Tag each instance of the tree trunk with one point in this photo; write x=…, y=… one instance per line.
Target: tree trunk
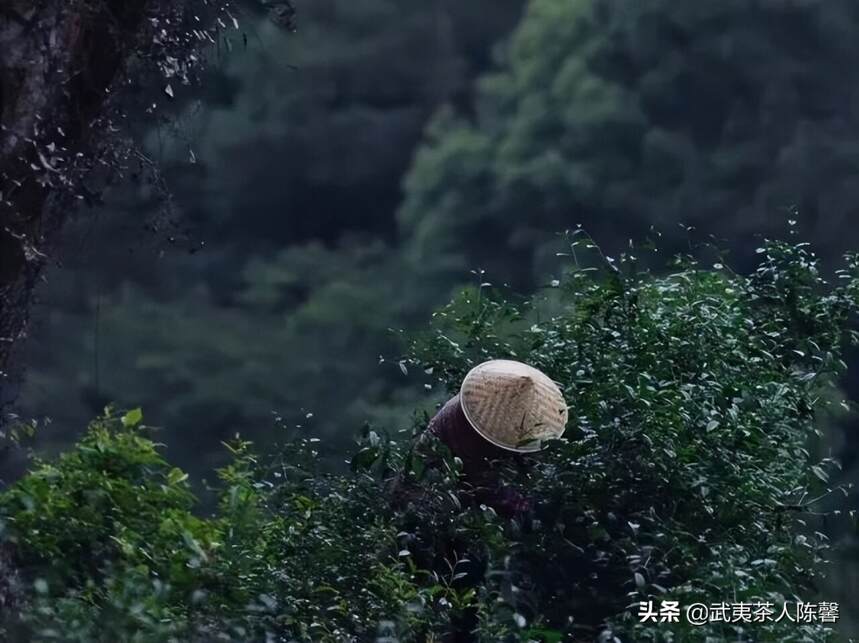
x=58, y=62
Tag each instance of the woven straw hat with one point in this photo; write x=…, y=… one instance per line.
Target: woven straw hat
x=513, y=405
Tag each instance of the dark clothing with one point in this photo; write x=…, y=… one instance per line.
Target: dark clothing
x=480, y=460
x=451, y=427
x=480, y=485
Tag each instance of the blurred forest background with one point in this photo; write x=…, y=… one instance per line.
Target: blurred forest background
x=332, y=186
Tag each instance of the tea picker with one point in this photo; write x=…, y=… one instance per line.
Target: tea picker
x=504, y=411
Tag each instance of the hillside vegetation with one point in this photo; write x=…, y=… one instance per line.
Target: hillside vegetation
x=687, y=472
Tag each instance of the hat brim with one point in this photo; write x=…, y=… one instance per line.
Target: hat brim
x=548, y=401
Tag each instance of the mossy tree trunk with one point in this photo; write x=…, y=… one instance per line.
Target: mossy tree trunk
x=60, y=63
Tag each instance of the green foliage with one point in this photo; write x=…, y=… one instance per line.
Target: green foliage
x=111, y=551
x=622, y=116
x=685, y=472
x=105, y=526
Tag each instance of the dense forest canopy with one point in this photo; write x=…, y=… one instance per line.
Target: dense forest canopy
x=299, y=262
x=727, y=117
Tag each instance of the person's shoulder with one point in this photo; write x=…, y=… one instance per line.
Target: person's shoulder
x=446, y=419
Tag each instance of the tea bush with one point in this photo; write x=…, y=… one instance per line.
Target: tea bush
x=687, y=473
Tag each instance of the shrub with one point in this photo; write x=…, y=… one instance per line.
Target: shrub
x=686, y=473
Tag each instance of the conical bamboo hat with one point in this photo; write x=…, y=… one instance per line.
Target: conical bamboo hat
x=513, y=405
